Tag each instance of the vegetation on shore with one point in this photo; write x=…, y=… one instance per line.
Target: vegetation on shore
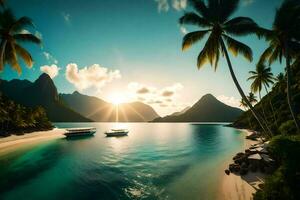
x=277, y=114
x=17, y=119
x=14, y=117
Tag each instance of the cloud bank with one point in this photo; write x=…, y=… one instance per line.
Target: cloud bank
x=93, y=76
x=231, y=101
x=51, y=70
x=165, y=5
x=163, y=97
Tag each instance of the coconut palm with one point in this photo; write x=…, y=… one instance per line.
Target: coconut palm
x=252, y=98
x=262, y=78
x=244, y=105
x=213, y=17
x=12, y=32
x=284, y=42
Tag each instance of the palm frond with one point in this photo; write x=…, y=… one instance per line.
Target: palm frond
x=27, y=37
x=200, y=7
x=191, y=18
x=237, y=47
x=266, y=55
x=22, y=23
x=241, y=26
x=209, y=53
x=191, y=38
x=24, y=54
x=11, y=57
x=227, y=8
x=7, y=18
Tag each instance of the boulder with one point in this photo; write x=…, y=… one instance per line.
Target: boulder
x=227, y=171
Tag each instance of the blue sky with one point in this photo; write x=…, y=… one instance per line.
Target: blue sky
x=136, y=47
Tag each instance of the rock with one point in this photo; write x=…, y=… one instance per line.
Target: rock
x=243, y=171
x=227, y=172
x=244, y=165
x=253, y=167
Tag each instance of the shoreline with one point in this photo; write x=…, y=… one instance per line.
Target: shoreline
x=237, y=187
x=12, y=143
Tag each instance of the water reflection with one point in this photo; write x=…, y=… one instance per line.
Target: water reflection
x=155, y=161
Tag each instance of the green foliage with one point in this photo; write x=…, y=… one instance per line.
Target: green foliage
x=287, y=127
x=19, y=119
x=276, y=98
x=285, y=182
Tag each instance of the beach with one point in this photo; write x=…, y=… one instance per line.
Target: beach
x=13, y=142
x=236, y=187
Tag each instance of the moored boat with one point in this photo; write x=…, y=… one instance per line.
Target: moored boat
x=116, y=132
x=74, y=132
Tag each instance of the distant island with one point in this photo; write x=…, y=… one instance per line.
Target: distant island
x=207, y=109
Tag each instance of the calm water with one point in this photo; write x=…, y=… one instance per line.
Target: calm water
x=156, y=161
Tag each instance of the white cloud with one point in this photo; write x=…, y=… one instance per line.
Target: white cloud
x=183, y=30
x=52, y=70
x=164, y=5
x=93, y=76
x=50, y=58
x=231, y=101
x=163, y=97
x=179, y=4
x=67, y=17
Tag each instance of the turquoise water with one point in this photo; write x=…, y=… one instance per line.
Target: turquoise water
x=155, y=161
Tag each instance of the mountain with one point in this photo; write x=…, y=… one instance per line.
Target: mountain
x=207, y=109
x=180, y=112
x=102, y=111
x=41, y=92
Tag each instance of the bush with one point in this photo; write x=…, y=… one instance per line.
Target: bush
x=285, y=182
x=288, y=128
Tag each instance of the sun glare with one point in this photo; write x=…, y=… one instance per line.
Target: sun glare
x=117, y=98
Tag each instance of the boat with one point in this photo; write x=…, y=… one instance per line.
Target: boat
x=74, y=132
x=116, y=132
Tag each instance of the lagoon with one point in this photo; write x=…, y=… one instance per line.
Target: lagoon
x=155, y=161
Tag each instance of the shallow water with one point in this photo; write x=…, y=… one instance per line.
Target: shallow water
x=155, y=161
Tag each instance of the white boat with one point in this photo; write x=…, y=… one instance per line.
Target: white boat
x=73, y=132
x=116, y=132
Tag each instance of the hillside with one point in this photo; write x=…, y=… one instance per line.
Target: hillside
x=275, y=106
x=43, y=93
x=102, y=111
x=207, y=109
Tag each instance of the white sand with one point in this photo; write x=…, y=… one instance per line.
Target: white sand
x=9, y=144
x=235, y=187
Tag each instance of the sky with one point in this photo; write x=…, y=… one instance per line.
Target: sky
x=128, y=50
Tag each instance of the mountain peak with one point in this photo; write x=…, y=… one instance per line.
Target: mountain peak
x=46, y=87
x=43, y=77
x=209, y=97
x=76, y=92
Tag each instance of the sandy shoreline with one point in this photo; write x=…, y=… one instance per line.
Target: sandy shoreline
x=13, y=142
x=233, y=187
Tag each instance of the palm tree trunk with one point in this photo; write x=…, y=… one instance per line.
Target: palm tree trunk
x=263, y=109
x=272, y=107
x=2, y=50
x=289, y=96
x=255, y=114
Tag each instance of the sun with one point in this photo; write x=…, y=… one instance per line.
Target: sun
x=117, y=98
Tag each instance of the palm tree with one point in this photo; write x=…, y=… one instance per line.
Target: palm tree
x=214, y=18
x=245, y=106
x=252, y=98
x=12, y=32
x=284, y=42
x=262, y=78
